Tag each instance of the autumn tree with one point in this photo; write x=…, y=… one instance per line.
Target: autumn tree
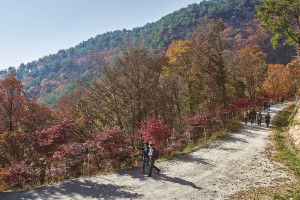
x=154, y=130
x=250, y=68
x=276, y=79
x=293, y=81
x=181, y=66
x=18, y=111
x=126, y=93
x=139, y=81
x=47, y=142
x=37, y=117
x=210, y=65
x=14, y=147
x=71, y=107
x=112, y=146
x=12, y=101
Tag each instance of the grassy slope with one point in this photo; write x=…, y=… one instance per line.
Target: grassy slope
x=288, y=156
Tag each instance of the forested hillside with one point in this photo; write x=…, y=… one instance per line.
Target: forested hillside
x=53, y=75
x=145, y=85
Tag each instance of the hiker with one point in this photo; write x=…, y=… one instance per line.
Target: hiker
x=282, y=99
x=259, y=118
x=245, y=116
x=268, y=105
x=145, y=150
x=153, y=155
x=251, y=118
x=265, y=105
x=268, y=119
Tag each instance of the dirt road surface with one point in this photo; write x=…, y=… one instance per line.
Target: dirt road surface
x=222, y=169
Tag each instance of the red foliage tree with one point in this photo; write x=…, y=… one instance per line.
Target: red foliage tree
x=112, y=146
x=47, y=142
x=73, y=156
x=205, y=122
x=241, y=103
x=154, y=130
x=18, y=174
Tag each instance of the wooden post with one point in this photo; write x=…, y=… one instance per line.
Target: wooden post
x=88, y=161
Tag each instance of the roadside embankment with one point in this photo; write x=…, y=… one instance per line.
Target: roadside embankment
x=294, y=127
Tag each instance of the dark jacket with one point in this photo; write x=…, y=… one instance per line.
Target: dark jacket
x=145, y=151
x=267, y=117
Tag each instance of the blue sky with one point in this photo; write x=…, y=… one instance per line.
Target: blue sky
x=31, y=29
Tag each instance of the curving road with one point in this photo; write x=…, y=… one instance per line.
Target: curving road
x=222, y=169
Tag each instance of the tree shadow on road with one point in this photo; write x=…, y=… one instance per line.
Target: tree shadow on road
x=135, y=173
x=176, y=180
x=230, y=149
x=235, y=139
x=196, y=160
x=73, y=190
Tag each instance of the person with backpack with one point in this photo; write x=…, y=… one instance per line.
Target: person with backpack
x=153, y=155
x=251, y=117
x=282, y=99
x=145, y=150
x=268, y=119
x=259, y=118
x=249, y=113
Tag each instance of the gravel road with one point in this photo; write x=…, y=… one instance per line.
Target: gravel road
x=222, y=169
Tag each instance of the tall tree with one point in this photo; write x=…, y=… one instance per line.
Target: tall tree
x=250, y=63
x=276, y=79
x=210, y=65
x=127, y=92
x=282, y=17
x=293, y=70
x=181, y=65
x=12, y=101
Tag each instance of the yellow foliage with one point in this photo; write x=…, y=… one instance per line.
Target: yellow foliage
x=14, y=146
x=180, y=59
x=3, y=184
x=276, y=80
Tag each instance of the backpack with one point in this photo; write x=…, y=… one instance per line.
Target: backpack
x=157, y=154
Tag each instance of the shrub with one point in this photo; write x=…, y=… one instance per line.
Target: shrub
x=3, y=184
x=154, y=130
x=111, y=146
x=18, y=174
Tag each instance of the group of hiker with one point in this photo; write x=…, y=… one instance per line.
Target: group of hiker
x=251, y=115
x=150, y=154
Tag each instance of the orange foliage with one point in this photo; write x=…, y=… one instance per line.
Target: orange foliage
x=250, y=61
x=293, y=70
x=12, y=99
x=276, y=80
x=3, y=184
